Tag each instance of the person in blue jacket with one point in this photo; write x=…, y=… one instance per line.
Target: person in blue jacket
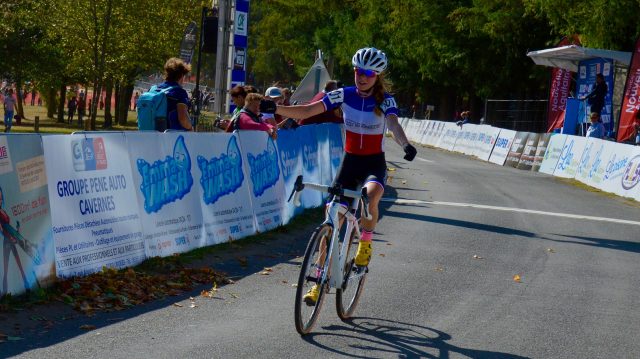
x=596, y=129
x=177, y=98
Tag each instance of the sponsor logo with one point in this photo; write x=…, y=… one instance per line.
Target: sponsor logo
x=264, y=169
x=566, y=156
x=166, y=181
x=221, y=175
x=88, y=154
x=596, y=162
x=585, y=158
x=631, y=173
x=502, y=142
x=614, y=166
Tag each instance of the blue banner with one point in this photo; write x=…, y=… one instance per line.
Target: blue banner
x=587, y=72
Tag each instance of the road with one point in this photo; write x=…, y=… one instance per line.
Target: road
x=454, y=234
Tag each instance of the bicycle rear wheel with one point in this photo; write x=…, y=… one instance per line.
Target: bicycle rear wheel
x=311, y=274
x=348, y=295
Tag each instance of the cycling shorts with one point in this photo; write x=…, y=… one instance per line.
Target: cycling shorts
x=358, y=170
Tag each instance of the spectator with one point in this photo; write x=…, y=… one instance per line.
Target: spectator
x=9, y=106
x=464, y=118
x=82, y=106
x=286, y=93
x=177, y=99
x=71, y=107
x=274, y=94
x=33, y=95
x=238, y=94
x=333, y=116
x=135, y=100
x=250, y=89
x=248, y=118
x=597, y=128
x=595, y=98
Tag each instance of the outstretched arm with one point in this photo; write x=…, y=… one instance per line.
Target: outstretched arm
x=301, y=112
x=396, y=129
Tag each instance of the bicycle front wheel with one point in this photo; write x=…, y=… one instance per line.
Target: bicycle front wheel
x=312, y=274
x=348, y=295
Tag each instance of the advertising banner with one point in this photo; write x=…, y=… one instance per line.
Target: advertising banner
x=620, y=167
x=529, y=152
x=95, y=220
x=306, y=136
x=240, y=43
x=502, y=146
x=559, y=91
x=449, y=138
x=262, y=165
x=587, y=71
x=590, y=162
x=487, y=139
x=515, y=151
x=167, y=191
x=570, y=157
x=630, y=98
x=222, y=187
x=541, y=149
x=290, y=152
x=28, y=256
x=428, y=132
x=551, y=156
x=440, y=132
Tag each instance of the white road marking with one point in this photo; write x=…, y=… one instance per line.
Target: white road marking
x=423, y=160
x=510, y=209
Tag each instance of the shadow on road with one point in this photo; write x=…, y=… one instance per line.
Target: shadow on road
x=386, y=338
x=598, y=242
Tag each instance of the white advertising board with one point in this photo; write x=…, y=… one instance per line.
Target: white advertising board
x=167, y=191
x=223, y=186
x=551, y=156
x=502, y=146
x=620, y=169
x=262, y=165
x=486, y=140
x=95, y=219
x=570, y=157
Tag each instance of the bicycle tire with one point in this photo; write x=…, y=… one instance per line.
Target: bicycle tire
x=348, y=296
x=303, y=324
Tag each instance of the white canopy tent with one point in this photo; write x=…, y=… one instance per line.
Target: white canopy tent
x=568, y=57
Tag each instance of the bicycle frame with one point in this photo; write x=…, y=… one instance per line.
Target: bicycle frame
x=334, y=210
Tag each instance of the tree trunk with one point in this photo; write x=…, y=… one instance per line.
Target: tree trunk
x=447, y=105
x=63, y=96
x=117, y=111
x=50, y=101
x=126, y=93
x=19, y=96
x=108, y=118
x=95, y=101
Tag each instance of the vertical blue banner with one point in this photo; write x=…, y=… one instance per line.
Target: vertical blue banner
x=239, y=51
x=587, y=71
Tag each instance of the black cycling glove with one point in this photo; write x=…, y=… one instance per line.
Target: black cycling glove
x=267, y=106
x=410, y=152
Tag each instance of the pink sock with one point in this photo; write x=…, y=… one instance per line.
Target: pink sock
x=366, y=236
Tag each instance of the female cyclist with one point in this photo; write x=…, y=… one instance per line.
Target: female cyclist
x=368, y=110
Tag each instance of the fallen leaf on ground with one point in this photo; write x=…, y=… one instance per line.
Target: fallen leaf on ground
x=391, y=169
x=233, y=295
x=88, y=327
x=294, y=285
x=284, y=282
x=178, y=305
x=517, y=278
x=551, y=250
x=404, y=182
x=388, y=244
x=389, y=179
x=193, y=305
x=475, y=256
x=210, y=293
x=439, y=269
x=381, y=254
x=264, y=273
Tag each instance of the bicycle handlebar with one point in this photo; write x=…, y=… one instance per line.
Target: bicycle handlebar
x=299, y=185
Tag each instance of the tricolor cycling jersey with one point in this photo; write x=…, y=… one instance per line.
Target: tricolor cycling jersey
x=364, y=128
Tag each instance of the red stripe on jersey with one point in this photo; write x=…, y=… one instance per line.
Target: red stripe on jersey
x=358, y=144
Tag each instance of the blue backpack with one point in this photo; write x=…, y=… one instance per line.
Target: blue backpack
x=152, y=109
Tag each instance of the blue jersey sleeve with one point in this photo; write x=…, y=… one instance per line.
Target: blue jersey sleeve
x=333, y=99
x=389, y=106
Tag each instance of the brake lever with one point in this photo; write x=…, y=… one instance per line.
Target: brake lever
x=297, y=187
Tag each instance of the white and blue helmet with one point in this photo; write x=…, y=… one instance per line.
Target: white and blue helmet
x=370, y=58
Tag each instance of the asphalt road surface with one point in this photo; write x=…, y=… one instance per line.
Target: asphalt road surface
x=471, y=260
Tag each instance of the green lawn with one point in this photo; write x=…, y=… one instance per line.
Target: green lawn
x=49, y=125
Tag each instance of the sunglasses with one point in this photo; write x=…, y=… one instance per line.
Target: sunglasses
x=363, y=72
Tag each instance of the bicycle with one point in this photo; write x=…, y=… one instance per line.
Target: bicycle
x=319, y=266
